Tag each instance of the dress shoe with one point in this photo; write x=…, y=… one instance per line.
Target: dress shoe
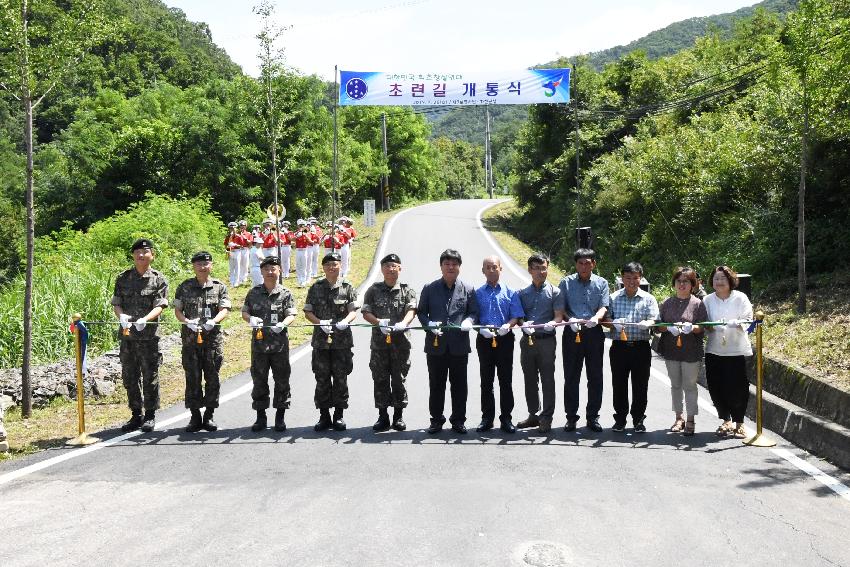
x=194, y=422
x=324, y=421
x=640, y=427
x=483, y=426
x=208, y=422
x=531, y=421
x=260, y=423
x=545, y=426
x=459, y=428
x=279, y=420
x=507, y=426
x=593, y=425
x=398, y=422
x=383, y=422
x=133, y=423
x=149, y=423
x=619, y=426
x=435, y=427
x=339, y=423
x=570, y=425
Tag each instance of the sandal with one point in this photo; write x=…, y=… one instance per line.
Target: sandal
x=724, y=429
x=678, y=426
x=739, y=432
x=690, y=428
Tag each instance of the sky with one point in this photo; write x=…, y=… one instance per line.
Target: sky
x=439, y=35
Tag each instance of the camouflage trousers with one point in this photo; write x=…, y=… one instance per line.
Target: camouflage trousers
x=201, y=365
x=389, y=371
x=278, y=363
x=140, y=362
x=332, y=367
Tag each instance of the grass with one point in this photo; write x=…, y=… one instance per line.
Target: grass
x=52, y=425
x=818, y=341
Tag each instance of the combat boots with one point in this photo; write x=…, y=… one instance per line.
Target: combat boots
x=383, y=422
x=339, y=423
x=134, y=423
x=324, y=420
x=194, y=422
x=208, y=423
x=260, y=424
x=279, y=423
x=398, y=422
x=149, y=422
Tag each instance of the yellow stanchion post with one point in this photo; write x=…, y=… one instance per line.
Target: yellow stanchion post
x=82, y=438
x=759, y=440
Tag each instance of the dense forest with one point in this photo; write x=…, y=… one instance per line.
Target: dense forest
x=696, y=157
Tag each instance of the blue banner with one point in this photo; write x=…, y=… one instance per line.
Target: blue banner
x=527, y=86
x=84, y=342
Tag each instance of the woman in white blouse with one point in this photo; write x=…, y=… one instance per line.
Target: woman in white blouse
x=726, y=351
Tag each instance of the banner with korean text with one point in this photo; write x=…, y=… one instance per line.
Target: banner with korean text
x=527, y=86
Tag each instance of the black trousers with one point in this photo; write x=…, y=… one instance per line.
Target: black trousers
x=728, y=385
x=453, y=367
x=630, y=358
x=589, y=351
x=492, y=361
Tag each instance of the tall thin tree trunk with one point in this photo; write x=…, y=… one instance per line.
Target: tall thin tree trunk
x=26, y=384
x=801, y=205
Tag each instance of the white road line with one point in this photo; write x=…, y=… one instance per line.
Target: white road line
x=506, y=258
x=244, y=389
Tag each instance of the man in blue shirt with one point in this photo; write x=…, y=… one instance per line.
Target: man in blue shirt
x=542, y=305
x=447, y=302
x=499, y=309
x=586, y=298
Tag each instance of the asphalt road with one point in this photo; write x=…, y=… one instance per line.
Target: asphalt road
x=357, y=498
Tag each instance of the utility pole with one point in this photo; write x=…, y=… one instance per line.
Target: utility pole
x=488, y=164
x=336, y=150
x=385, y=186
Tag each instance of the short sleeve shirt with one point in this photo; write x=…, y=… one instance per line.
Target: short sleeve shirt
x=201, y=302
x=332, y=302
x=642, y=306
x=497, y=305
x=393, y=303
x=539, y=305
x=583, y=299
x=272, y=307
x=675, y=310
x=137, y=294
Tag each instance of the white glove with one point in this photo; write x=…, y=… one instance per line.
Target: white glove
x=590, y=323
x=486, y=333
x=140, y=324
x=527, y=328
x=549, y=327
x=125, y=321
x=326, y=326
x=466, y=325
x=399, y=327
x=384, y=326
x=733, y=323
x=645, y=325
x=255, y=322
x=434, y=327
x=278, y=328
x=674, y=330
x=209, y=325
x=192, y=324
x=618, y=325
x=687, y=328
x=341, y=325
x=504, y=330
x=574, y=324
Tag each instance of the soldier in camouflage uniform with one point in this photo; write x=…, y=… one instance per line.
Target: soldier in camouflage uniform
x=201, y=303
x=391, y=306
x=269, y=308
x=139, y=297
x=331, y=305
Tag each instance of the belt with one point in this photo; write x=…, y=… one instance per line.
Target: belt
x=537, y=337
x=631, y=343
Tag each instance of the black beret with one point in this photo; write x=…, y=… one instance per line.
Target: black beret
x=141, y=243
x=391, y=258
x=202, y=256
x=331, y=257
x=274, y=260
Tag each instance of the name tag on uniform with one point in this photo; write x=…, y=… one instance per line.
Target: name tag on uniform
x=207, y=313
x=274, y=318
